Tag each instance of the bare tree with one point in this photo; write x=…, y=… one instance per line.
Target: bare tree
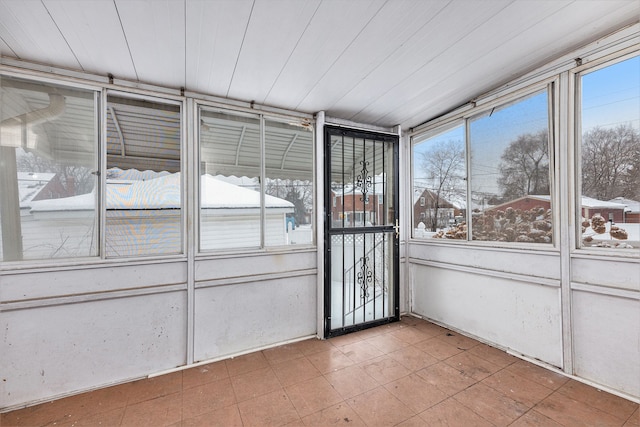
x=443, y=164
x=300, y=193
x=611, y=163
x=76, y=179
x=524, y=166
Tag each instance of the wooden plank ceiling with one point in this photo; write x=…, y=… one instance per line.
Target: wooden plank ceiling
x=371, y=61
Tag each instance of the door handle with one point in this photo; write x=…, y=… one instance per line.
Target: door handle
x=397, y=229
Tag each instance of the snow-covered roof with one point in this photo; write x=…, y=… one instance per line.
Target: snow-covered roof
x=458, y=201
x=163, y=192
x=30, y=184
x=588, y=202
x=216, y=194
x=631, y=205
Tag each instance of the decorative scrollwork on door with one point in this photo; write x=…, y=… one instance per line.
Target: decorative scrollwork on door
x=364, y=278
x=363, y=181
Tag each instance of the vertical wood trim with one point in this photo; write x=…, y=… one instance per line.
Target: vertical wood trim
x=190, y=156
x=564, y=132
x=320, y=216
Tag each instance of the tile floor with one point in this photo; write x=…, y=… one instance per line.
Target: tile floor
x=410, y=373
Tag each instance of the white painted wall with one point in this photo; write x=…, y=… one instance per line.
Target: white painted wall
x=74, y=328
x=510, y=306
x=243, y=302
x=605, y=308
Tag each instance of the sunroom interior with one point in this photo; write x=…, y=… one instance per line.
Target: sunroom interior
x=189, y=181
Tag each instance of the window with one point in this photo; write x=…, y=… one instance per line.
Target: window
x=507, y=161
x=439, y=182
x=289, y=178
x=609, y=112
x=248, y=202
x=143, y=179
x=510, y=184
x=48, y=156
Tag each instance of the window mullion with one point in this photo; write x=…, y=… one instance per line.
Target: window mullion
x=263, y=174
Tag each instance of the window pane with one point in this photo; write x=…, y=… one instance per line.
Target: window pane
x=362, y=176
x=288, y=184
x=48, y=146
x=229, y=181
x=439, y=185
x=610, y=156
x=143, y=191
x=510, y=194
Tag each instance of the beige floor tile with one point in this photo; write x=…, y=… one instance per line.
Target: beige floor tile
x=493, y=355
x=410, y=335
x=457, y=340
x=472, y=366
x=570, y=412
x=312, y=396
x=228, y=416
x=341, y=340
x=312, y=346
x=430, y=329
x=438, y=348
x=634, y=419
x=408, y=373
x=204, y=374
x=534, y=418
x=162, y=411
x=517, y=388
x=207, y=397
x=109, y=418
x=351, y=381
x=295, y=371
x=491, y=405
x=414, y=421
x=282, y=353
x=385, y=369
x=360, y=351
x=246, y=363
x=537, y=374
x=413, y=358
x=387, y=343
x=273, y=409
x=449, y=380
x=607, y=402
x=378, y=407
x=152, y=388
x=451, y=413
x=329, y=361
x=255, y=383
x=416, y=393
x=336, y=415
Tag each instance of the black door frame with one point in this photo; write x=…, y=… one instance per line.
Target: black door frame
x=329, y=131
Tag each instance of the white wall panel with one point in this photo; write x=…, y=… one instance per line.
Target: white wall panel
x=606, y=340
x=77, y=281
x=615, y=273
x=236, y=318
x=51, y=351
x=537, y=264
x=524, y=317
x=257, y=264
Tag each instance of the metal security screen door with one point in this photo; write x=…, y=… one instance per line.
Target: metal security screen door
x=361, y=230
